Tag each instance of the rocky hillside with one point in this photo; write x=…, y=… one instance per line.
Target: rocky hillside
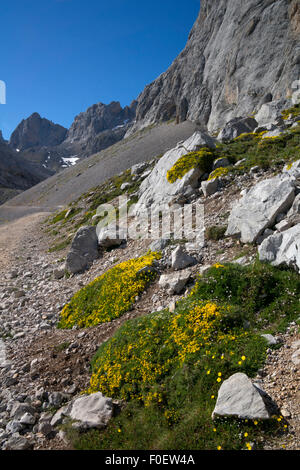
x=239, y=55
x=175, y=342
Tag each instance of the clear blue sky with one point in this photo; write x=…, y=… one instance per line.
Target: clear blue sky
x=58, y=57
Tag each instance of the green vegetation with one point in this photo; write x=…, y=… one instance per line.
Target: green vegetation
x=202, y=160
x=265, y=152
x=169, y=367
x=215, y=232
x=294, y=112
x=109, y=296
x=60, y=246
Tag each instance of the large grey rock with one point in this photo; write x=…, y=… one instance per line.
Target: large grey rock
x=235, y=127
x=239, y=397
x=92, y=411
x=239, y=55
x=282, y=248
x=221, y=162
x=174, y=282
x=155, y=190
x=110, y=237
x=258, y=208
x=83, y=251
x=18, y=443
x=293, y=170
x=270, y=113
x=210, y=187
x=181, y=259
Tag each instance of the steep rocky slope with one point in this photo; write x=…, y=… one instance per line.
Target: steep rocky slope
x=239, y=55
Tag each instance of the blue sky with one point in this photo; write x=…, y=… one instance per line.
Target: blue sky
x=58, y=57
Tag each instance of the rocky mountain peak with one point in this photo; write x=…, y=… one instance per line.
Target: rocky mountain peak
x=99, y=118
x=238, y=55
x=36, y=131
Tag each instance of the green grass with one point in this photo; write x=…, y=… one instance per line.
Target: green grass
x=59, y=246
x=166, y=365
x=216, y=232
x=265, y=153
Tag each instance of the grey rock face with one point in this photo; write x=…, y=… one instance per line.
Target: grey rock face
x=16, y=174
x=99, y=127
x=37, y=132
x=239, y=397
x=239, y=55
x=155, y=190
x=83, y=251
x=236, y=127
x=258, y=208
x=98, y=118
x=282, y=248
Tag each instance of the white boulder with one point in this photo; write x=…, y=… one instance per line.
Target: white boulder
x=259, y=207
x=240, y=398
x=282, y=248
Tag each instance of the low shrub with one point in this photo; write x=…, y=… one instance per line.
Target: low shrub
x=110, y=295
x=202, y=160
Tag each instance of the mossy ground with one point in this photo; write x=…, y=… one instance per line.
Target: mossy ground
x=169, y=367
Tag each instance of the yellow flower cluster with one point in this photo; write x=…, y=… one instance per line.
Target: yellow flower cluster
x=127, y=367
x=202, y=160
x=222, y=171
x=110, y=295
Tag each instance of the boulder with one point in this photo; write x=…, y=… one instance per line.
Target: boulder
x=236, y=127
x=182, y=260
x=18, y=443
x=282, y=248
x=274, y=133
x=174, y=282
x=155, y=191
x=138, y=169
x=259, y=207
x=159, y=245
x=92, y=411
x=210, y=187
x=240, y=398
x=221, y=162
x=83, y=251
x=296, y=357
x=271, y=112
x=293, y=169
x=271, y=340
x=110, y=237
